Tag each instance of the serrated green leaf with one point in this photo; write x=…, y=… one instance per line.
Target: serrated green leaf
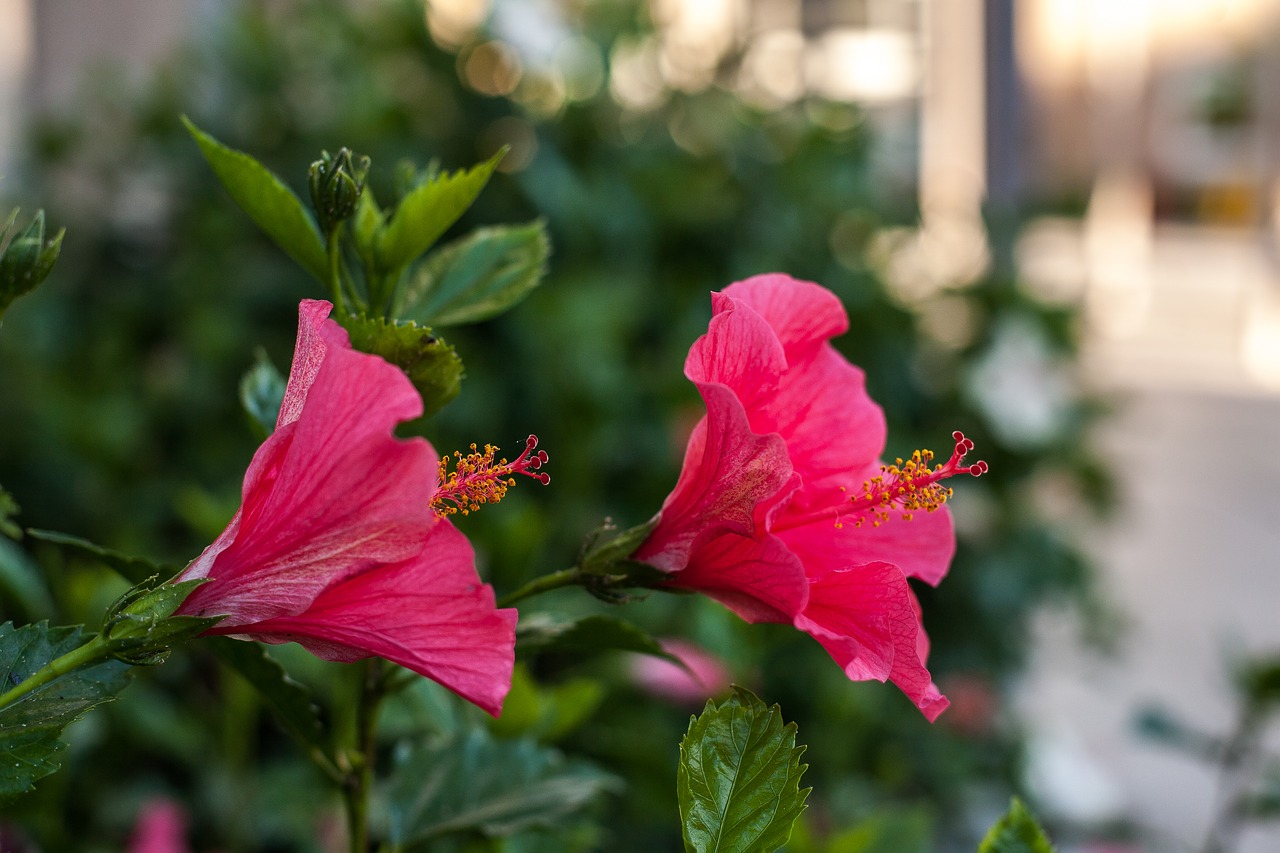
x=738, y=781
x=261, y=393
x=267, y=201
x=587, y=637
x=427, y=211
x=29, y=728
x=431, y=364
x=1016, y=832
x=290, y=701
x=510, y=786
x=133, y=569
x=477, y=276
x=8, y=509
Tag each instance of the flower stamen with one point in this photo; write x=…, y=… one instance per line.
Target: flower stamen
x=478, y=479
x=912, y=486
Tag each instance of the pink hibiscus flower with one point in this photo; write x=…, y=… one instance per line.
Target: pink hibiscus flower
x=783, y=511
x=337, y=545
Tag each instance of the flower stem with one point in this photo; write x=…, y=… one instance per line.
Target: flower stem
x=359, y=782
x=90, y=653
x=334, y=246
x=546, y=583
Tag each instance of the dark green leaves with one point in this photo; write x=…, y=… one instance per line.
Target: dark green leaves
x=474, y=784
x=29, y=727
x=266, y=199
x=431, y=364
x=27, y=259
x=478, y=276
x=428, y=210
x=132, y=569
x=8, y=509
x=739, y=778
x=261, y=393
x=290, y=701
x=1016, y=832
x=583, y=638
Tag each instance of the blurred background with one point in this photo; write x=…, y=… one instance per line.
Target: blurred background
x=1054, y=223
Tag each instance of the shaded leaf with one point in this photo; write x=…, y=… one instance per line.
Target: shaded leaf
x=29, y=728
x=8, y=509
x=472, y=783
x=546, y=712
x=290, y=701
x=22, y=583
x=267, y=201
x=431, y=364
x=587, y=637
x=478, y=276
x=133, y=569
x=738, y=781
x=1016, y=832
x=888, y=831
x=427, y=211
x=261, y=393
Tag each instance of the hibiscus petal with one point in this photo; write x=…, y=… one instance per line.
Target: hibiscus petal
x=922, y=547
x=867, y=619
x=802, y=314
x=430, y=614
x=760, y=580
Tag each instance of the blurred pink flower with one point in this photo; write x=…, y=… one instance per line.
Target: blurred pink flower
x=706, y=675
x=161, y=828
x=783, y=511
x=336, y=545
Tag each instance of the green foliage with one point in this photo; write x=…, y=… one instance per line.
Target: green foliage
x=261, y=393
x=476, y=277
x=30, y=727
x=8, y=510
x=431, y=364
x=21, y=586
x=1016, y=832
x=510, y=786
x=427, y=211
x=739, y=778
x=26, y=258
x=267, y=201
x=137, y=570
x=291, y=702
x=585, y=637
x=546, y=713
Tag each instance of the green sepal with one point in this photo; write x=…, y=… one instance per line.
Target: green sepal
x=136, y=570
x=585, y=638
x=477, y=276
x=427, y=210
x=511, y=785
x=261, y=393
x=290, y=701
x=336, y=182
x=738, y=781
x=1016, y=832
x=29, y=728
x=606, y=550
x=267, y=201
x=8, y=509
x=140, y=628
x=431, y=364
x=28, y=258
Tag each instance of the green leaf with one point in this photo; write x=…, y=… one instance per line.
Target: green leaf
x=431, y=364
x=133, y=569
x=587, y=637
x=8, y=509
x=897, y=830
x=548, y=712
x=21, y=583
x=290, y=701
x=428, y=210
x=472, y=783
x=478, y=276
x=269, y=203
x=261, y=393
x=738, y=780
x=29, y=728
x=1016, y=832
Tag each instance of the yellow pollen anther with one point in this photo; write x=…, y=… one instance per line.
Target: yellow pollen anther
x=912, y=486
x=478, y=479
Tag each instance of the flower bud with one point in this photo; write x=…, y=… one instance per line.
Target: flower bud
x=336, y=183
x=28, y=258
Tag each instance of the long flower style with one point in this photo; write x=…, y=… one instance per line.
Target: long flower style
x=783, y=510
x=337, y=545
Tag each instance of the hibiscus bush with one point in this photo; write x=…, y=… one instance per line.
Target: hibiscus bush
x=133, y=402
